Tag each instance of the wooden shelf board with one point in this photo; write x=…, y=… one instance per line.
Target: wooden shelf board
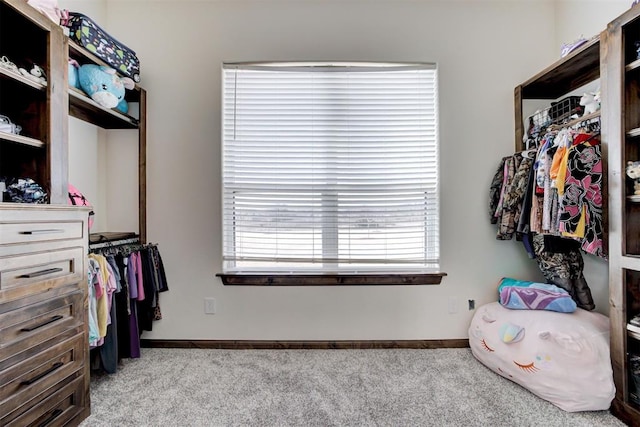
x=634, y=133
x=85, y=108
x=25, y=140
x=633, y=65
x=630, y=262
x=111, y=236
x=569, y=73
x=22, y=79
x=633, y=333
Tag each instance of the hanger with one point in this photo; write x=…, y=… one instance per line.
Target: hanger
x=591, y=125
x=532, y=144
x=529, y=154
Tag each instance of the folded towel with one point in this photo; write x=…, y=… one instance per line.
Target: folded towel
x=525, y=295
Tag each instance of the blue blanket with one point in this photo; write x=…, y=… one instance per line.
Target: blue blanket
x=525, y=295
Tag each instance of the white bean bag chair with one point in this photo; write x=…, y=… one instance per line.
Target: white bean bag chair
x=560, y=357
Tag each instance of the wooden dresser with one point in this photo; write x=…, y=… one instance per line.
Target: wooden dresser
x=44, y=372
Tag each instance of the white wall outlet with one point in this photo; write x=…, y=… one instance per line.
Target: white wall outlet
x=453, y=305
x=209, y=306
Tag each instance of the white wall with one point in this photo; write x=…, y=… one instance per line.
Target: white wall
x=483, y=50
x=87, y=171
x=585, y=18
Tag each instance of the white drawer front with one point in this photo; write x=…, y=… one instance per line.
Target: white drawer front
x=30, y=232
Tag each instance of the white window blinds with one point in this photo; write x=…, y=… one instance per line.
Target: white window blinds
x=330, y=168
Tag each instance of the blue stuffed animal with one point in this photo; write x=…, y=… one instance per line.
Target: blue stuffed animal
x=104, y=86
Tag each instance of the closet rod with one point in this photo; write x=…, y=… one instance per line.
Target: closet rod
x=590, y=118
x=114, y=243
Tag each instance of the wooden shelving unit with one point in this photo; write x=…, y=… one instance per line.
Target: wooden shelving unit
x=44, y=346
x=84, y=108
x=621, y=123
x=563, y=76
x=39, y=151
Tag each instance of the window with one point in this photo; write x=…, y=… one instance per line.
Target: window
x=330, y=168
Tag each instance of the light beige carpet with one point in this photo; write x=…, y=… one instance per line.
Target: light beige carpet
x=397, y=387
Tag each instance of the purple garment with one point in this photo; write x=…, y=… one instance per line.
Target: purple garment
x=134, y=334
x=132, y=277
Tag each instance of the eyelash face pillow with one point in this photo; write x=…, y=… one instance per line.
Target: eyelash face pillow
x=104, y=86
x=560, y=357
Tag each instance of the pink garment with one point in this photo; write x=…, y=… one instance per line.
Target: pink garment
x=98, y=285
x=139, y=274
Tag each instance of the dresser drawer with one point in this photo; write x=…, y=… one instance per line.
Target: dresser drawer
x=31, y=377
x=34, y=324
x=54, y=409
x=40, y=231
x=24, y=274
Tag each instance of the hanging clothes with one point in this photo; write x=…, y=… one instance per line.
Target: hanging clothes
x=496, y=191
x=513, y=199
x=123, y=312
x=92, y=282
x=553, y=204
x=581, y=206
x=127, y=280
x=561, y=263
x=523, y=229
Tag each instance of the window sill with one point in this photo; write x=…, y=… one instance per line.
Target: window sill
x=382, y=279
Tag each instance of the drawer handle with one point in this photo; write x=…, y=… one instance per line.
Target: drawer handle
x=55, y=366
x=40, y=273
x=46, y=322
x=44, y=231
x=55, y=414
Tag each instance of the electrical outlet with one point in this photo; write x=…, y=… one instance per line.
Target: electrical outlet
x=209, y=306
x=472, y=304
